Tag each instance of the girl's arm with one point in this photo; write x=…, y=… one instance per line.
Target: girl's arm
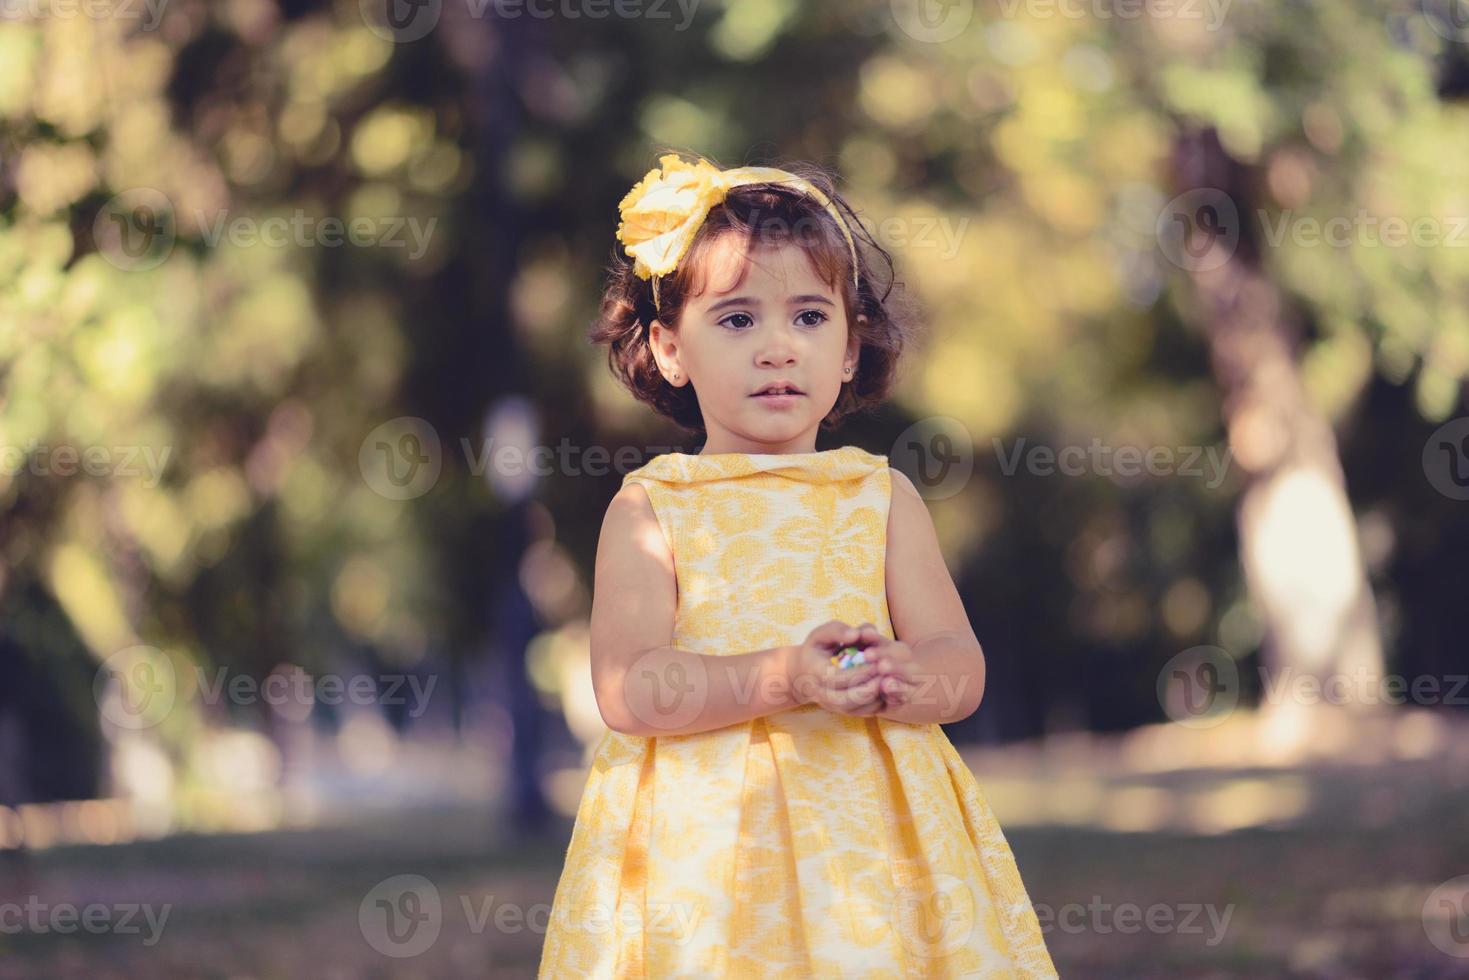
x=643, y=685
x=928, y=617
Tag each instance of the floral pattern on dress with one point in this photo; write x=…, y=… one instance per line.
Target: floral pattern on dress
x=804, y=843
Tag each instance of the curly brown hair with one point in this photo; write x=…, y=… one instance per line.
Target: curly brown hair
x=763, y=215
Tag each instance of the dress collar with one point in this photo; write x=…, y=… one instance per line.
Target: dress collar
x=827, y=466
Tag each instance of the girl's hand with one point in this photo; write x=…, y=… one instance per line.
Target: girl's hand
x=897, y=671
x=816, y=680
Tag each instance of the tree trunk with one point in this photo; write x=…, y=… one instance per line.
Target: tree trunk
x=1298, y=537
x=498, y=58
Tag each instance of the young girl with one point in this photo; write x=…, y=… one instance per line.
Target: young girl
x=756, y=809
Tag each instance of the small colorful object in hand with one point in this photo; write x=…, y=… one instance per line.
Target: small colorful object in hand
x=849, y=657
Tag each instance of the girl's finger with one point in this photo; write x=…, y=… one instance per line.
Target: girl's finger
x=906, y=669
x=852, y=686
x=864, y=692
x=898, y=653
x=896, y=666
x=843, y=678
x=848, y=705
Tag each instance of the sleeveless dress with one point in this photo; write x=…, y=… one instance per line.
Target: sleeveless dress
x=806, y=843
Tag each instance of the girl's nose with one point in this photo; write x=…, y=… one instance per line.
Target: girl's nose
x=777, y=349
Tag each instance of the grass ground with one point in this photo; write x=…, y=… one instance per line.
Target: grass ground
x=1336, y=891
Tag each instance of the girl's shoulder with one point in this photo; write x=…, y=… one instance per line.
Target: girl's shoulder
x=631, y=517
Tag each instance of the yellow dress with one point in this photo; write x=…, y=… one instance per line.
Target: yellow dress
x=806, y=843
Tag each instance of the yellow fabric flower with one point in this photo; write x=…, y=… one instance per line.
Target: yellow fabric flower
x=664, y=210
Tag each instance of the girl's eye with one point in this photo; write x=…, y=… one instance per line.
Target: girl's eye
x=806, y=318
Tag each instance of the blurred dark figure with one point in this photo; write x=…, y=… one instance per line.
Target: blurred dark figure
x=514, y=623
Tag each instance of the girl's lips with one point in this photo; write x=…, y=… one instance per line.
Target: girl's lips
x=776, y=401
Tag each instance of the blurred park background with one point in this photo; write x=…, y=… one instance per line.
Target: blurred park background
x=291, y=636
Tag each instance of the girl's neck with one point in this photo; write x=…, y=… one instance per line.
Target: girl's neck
x=759, y=452
x=722, y=442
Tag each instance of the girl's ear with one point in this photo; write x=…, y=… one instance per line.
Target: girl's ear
x=854, y=348
x=665, y=354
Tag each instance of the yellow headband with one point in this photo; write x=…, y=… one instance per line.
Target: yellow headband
x=663, y=210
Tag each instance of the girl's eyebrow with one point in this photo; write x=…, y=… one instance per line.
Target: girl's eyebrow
x=752, y=301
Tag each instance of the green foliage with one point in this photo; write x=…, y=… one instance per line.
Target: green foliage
x=1016, y=169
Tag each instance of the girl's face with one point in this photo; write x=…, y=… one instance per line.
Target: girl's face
x=765, y=319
